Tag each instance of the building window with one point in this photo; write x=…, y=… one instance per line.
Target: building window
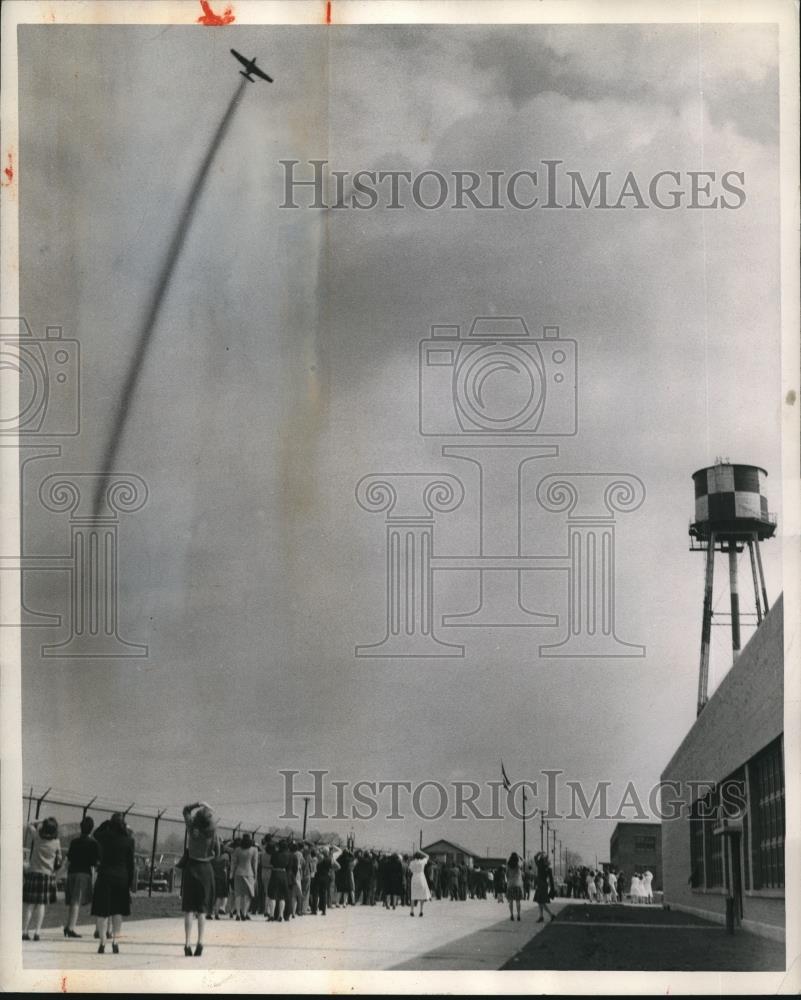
x=766, y=772
x=713, y=845
x=645, y=845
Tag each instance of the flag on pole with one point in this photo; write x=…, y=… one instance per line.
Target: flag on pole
x=507, y=784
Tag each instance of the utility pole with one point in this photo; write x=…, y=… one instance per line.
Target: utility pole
x=305, y=814
x=524, y=824
x=542, y=832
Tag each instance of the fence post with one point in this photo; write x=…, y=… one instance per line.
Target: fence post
x=153, y=851
x=39, y=802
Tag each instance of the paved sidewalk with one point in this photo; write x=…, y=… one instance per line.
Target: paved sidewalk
x=474, y=934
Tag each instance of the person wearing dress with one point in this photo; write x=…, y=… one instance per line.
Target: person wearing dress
x=116, y=879
x=244, y=870
x=418, y=884
x=647, y=878
x=343, y=878
x=514, y=883
x=635, y=889
x=83, y=855
x=393, y=880
x=612, y=887
x=265, y=868
x=39, y=881
x=544, y=890
x=221, y=866
x=278, y=885
x=320, y=882
x=197, y=886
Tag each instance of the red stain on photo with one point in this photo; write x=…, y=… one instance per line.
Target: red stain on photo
x=63, y=984
x=328, y=12
x=8, y=171
x=208, y=17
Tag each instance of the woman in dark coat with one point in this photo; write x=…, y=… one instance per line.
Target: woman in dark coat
x=197, y=884
x=278, y=886
x=544, y=890
x=115, y=879
x=344, y=877
x=82, y=857
x=393, y=880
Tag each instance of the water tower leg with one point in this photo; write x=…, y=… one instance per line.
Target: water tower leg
x=756, y=584
x=706, y=627
x=735, y=599
x=762, y=579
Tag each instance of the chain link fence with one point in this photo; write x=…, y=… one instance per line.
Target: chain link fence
x=159, y=834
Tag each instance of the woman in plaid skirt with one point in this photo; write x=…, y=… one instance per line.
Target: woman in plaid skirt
x=39, y=881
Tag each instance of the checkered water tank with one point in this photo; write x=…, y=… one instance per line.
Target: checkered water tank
x=730, y=499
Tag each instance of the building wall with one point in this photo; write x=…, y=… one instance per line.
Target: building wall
x=625, y=855
x=742, y=717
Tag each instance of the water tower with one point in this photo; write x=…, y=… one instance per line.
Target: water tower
x=731, y=512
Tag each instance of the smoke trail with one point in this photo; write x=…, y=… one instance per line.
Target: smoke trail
x=151, y=316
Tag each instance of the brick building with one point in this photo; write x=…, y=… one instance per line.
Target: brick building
x=635, y=847
x=728, y=839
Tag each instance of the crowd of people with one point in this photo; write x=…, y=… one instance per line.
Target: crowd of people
x=608, y=885
x=278, y=879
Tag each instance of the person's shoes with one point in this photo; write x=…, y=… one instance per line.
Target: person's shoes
x=421, y=913
x=246, y=916
x=70, y=934
x=101, y=948
x=540, y=920
x=35, y=937
x=187, y=951
x=198, y=951
x=511, y=917
x=26, y=936
x=115, y=948
x=238, y=917
x=518, y=916
x=216, y=916
x=553, y=917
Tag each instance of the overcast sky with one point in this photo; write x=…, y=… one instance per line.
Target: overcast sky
x=284, y=368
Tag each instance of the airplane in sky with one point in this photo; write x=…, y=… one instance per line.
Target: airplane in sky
x=250, y=67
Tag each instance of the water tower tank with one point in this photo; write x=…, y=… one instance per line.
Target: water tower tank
x=730, y=502
x=731, y=514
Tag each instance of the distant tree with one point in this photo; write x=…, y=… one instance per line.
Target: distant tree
x=573, y=859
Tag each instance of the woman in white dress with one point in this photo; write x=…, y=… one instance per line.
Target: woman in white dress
x=647, y=878
x=419, y=887
x=592, y=894
x=635, y=889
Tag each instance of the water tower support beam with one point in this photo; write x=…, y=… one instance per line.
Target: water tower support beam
x=735, y=599
x=758, y=603
x=706, y=627
x=762, y=580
